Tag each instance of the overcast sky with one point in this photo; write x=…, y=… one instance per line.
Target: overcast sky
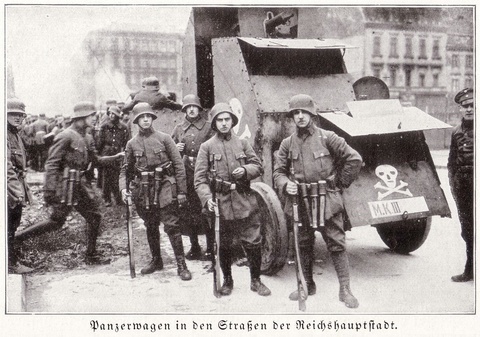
x=41, y=40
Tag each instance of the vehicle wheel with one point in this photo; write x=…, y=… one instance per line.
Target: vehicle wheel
x=405, y=236
x=274, y=229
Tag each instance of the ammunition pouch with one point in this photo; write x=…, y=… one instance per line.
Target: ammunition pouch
x=225, y=187
x=150, y=185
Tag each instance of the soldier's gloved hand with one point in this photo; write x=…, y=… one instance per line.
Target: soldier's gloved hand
x=211, y=205
x=238, y=173
x=182, y=199
x=180, y=147
x=291, y=188
x=126, y=195
x=120, y=155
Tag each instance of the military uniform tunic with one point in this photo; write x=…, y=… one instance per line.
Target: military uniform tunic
x=238, y=209
x=146, y=151
x=72, y=148
x=18, y=193
x=460, y=172
x=112, y=139
x=317, y=154
x=192, y=134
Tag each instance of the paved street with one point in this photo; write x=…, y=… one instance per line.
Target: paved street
x=384, y=282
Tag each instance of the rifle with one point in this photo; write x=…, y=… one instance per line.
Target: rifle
x=130, y=233
x=301, y=283
x=216, y=250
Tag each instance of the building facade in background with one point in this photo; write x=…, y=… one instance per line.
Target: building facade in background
x=424, y=54
x=120, y=59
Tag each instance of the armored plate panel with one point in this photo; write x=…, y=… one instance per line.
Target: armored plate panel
x=406, y=194
x=382, y=117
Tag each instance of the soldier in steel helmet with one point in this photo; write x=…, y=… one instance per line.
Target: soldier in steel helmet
x=189, y=135
x=236, y=164
x=460, y=173
x=17, y=189
x=66, y=186
x=154, y=171
x=317, y=154
x=112, y=139
x=150, y=94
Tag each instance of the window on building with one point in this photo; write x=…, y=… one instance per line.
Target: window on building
x=162, y=46
x=421, y=80
x=469, y=61
x=408, y=48
x=455, y=85
x=408, y=77
x=423, y=49
x=393, y=76
x=455, y=61
x=468, y=82
x=377, y=46
x=171, y=46
x=436, y=50
x=393, y=47
x=435, y=80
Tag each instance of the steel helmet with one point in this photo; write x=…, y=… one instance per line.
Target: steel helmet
x=15, y=105
x=301, y=102
x=115, y=110
x=218, y=109
x=83, y=109
x=191, y=100
x=151, y=83
x=141, y=109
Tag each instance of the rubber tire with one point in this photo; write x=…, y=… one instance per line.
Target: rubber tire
x=406, y=236
x=274, y=229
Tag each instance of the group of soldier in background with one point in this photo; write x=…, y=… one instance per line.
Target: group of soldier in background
x=169, y=177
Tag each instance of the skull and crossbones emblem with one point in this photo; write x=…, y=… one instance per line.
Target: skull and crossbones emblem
x=388, y=174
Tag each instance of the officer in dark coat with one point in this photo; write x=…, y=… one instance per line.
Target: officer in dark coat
x=189, y=135
x=154, y=171
x=460, y=173
x=317, y=154
x=236, y=164
x=112, y=139
x=17, y=189
x=70, y=155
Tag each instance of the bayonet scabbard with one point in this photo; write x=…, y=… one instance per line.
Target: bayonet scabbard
x=145, y=189
x=322, y=191
x=314, y=201
x=158, y=181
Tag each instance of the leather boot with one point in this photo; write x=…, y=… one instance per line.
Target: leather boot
x=177, y=245
x=340, y=262
x=195, y=252
x=306, y=257
x=254, y=256
x=37, y=229
x=467, y=274
x=153, y=238
x=226, y=266
x=227, y=286
x=92, y=256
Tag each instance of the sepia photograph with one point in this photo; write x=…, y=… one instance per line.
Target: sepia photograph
x=239, y=169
